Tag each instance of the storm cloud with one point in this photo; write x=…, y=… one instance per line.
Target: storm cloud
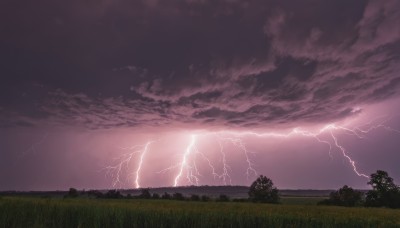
x=226, y=63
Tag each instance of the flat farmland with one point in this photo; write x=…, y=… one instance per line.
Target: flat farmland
x=81, y=212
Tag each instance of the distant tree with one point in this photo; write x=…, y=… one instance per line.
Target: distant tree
x=195, y=198
x=72, y=193
x=263, y=190
x=223, y=198
x=129, y=196
x=345, y=196
x=155, y=196
x=113, y=194
x=384, y=193
x=166, y=196
x=178, y=196
x=145, y=194
x=205, y=198
x=95, y=194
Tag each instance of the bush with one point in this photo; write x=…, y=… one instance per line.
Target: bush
x=223, y=198
x=113, y=194
x=178, y=196
x=95, y=194
x=145, y=194
x=205, y=198
x=156, y=196
x=166, y=196
x=195, y=198
x=345, y=196
x=72, y=193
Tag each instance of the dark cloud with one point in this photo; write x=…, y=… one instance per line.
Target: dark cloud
x=109, y=64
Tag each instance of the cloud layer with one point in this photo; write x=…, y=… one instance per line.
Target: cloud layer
x=199, y=63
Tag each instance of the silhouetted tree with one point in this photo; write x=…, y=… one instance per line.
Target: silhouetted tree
x=345, y=196
x=384, y=193
x=223, y=198
x=178, y=196
x=195, y=198
x=263, y=190
x=166, y=196
x=145, y=194
x=205, y=198
x=113, y=194
x=156, y=196
x=95, y=193
x=72, y=193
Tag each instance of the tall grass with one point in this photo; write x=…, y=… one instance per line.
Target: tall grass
x=34, y=212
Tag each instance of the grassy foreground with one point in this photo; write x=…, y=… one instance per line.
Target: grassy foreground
x=37, y=212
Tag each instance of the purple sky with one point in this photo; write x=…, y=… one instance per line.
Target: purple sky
x=84, y=82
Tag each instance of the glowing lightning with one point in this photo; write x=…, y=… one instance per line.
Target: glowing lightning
x=187, y=165
x=33, y=148
x=328, y=128
x=348, y=157
x=192, y=172
x=124, y=161
x=239, y=143
x=225, y=167
x=184, y=162
x=141, y=163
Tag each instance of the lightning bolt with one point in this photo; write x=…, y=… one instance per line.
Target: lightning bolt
x=145, y=149
x=347, y=156
x=32, y=149
x=225, y=167
x=184, y=164
x=317, y=136
x=192, y=173
x=124, y=161
x=187, y=166
x=239, y=143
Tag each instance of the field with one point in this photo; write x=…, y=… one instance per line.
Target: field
x=81, y=212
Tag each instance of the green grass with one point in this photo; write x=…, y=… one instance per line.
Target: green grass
x=36, y=212
x=301, y=200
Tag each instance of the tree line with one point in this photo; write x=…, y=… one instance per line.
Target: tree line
x=145, y=194
x=384, y=193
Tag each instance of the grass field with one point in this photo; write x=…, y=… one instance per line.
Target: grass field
x=38, y=212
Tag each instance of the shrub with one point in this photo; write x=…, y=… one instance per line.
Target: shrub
x=178, y=196
x=72, y=193
x=223, y=198
x=145, y=194
x=113, y=194
x=166, y=196
x=95, y=194
x=156, y=196
x=345, y=196
x=205, y=198
x=195, y=198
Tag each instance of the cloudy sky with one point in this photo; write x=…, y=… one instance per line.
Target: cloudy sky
x=224, y=90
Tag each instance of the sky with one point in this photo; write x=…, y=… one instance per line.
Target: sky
x=148, y=93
